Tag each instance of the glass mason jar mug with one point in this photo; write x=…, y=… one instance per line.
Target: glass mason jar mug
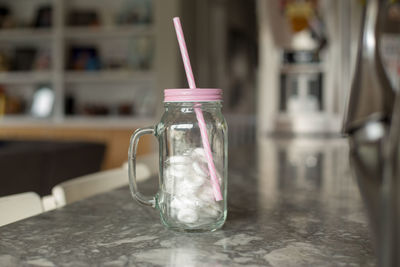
x=193, y=150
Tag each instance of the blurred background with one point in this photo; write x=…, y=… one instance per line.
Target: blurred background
x=78, y=77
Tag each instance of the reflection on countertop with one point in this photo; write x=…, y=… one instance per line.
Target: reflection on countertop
x=292, y=202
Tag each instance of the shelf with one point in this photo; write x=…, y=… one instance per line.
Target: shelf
x=25, y=77
x=26, y=34
x=108, y=32
x=37, y=34
x=76, y=121
x=109, y=76
x=22, y=120
x=309, y=68
x=108, y=121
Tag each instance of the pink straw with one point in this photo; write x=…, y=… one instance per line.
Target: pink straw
x=197, y=109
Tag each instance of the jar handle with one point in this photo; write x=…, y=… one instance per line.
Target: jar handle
x=144, y=200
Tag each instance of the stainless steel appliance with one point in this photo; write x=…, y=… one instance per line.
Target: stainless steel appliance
x=373, y=124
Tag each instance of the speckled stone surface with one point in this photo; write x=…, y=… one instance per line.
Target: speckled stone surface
x=291, y=203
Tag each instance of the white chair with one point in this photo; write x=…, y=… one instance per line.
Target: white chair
x=149, y=160
x=49, y=203
x=89, y=185
x=19, y=206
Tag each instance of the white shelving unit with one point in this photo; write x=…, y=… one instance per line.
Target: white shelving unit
x=25, y=77
x=109, y=76
x=108, y=32
x=26, y=34
x=125, y=82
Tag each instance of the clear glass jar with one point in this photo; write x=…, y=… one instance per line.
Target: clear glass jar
x=187, y=197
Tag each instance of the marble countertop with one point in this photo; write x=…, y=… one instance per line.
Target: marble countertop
x=292, y=202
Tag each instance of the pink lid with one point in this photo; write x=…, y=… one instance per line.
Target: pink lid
x=192, y=95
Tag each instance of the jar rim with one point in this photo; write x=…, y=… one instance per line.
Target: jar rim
x=192, y=95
